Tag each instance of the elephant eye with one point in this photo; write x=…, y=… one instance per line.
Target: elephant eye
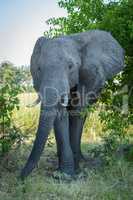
x=70, y=66
x=39, y=69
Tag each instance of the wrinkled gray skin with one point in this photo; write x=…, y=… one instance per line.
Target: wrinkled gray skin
x=78, y=62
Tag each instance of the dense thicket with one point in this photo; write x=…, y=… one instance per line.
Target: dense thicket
x=13, y=80
x=117, y=18
x=114, y=16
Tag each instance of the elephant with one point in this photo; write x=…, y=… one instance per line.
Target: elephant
x=69, y=73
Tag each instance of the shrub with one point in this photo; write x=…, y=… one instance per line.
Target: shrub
x=9, y=90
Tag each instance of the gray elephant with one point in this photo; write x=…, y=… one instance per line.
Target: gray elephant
x=69, y=73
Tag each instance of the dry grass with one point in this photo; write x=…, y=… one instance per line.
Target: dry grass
x=27, y=119
x=109, y=183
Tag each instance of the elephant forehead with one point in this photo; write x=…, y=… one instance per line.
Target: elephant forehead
x=60, y=48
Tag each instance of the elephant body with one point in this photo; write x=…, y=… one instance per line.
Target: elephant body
x=69, y=73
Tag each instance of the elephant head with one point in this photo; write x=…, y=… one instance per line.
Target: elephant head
x=86, y=59
x=54, y=58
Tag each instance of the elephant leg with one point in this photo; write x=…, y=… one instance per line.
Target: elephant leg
x=76, y=122
x=75, y=130
x=44, y=127
x=58, y=142
x=61, y=127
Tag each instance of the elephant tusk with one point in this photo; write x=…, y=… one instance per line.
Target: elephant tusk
x=64, y=101
x=37, y=101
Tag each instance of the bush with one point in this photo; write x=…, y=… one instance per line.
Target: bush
x=115, y=17
x=9, y=90
x=116, y=116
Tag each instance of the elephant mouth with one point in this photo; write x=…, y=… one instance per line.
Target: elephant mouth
x=64, y=100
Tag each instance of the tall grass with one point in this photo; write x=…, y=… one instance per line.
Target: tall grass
x=27, y=119
x=106, y=183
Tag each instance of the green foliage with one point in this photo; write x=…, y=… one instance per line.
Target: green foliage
x=82, y=16
x=9, y=90
x=23, y=77
x=117, y=18
x=116, y=116
x=113, y=16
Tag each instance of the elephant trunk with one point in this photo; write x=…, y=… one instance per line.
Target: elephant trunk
x=50, y=99
x=45, y=125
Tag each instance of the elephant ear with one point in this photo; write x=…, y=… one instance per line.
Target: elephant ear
x=34, y=63
x=36, y=53
x=102, y=58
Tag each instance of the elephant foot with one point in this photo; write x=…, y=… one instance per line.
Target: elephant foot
x=60, y=175
x=83, y=157
x=65, y=171
x=77, y=158
x=24, y=174
x=27, y=170
x=76, y=165
x=67, y=168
